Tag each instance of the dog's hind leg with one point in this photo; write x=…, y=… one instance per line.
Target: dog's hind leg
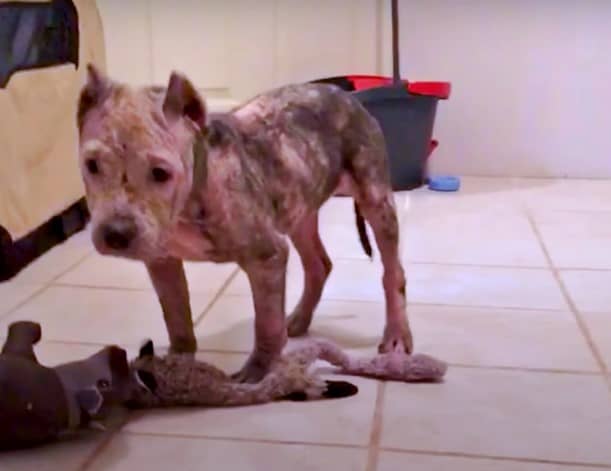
x=372, y=191
x=316, y=267
x=380, y=212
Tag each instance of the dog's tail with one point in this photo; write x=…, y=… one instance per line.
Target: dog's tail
x=360, y=226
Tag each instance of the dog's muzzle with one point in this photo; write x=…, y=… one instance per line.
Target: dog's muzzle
x=119, y=233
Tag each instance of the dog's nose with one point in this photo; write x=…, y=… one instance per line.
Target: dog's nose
x=119, y=233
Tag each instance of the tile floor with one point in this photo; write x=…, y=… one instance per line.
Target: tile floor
x=508, y=280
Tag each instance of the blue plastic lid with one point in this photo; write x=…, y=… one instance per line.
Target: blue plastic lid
x=444, y=183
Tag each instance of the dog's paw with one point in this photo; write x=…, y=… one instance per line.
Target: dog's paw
x=252, y=372
x=397, y=339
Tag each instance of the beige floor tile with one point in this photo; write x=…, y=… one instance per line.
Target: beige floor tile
x=161, y=453
x=501, y=337
x=338, y=227
x=473, y=237
x=65, y=456
x=565, y=195
x=338, y=231
x=13, y=293
x=350, y=279
x=57, y=260
x=98, y=316
x=589, y=290
x=575, y=239
x=459, y=335
x=361, y=280
x=599, y=325
x=392, y=461
x=113, y=272
x=228, y=326
x=528, y=415
x=476, y=193
x=346, y=421
x=356, y=326
x=484, y=286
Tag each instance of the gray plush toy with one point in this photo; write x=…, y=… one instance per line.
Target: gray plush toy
x=181, y=380
x=40, y=404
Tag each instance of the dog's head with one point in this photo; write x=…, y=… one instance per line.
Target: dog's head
x=136, y=159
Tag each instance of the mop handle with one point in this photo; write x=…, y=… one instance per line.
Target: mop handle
x=396, y=73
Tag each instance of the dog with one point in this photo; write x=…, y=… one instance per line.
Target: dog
x=166, y=182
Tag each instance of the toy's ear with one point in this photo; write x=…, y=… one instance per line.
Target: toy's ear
x=147, y=349
x=117, y=360
x=147, y=380
x=21, y=338
x=90, y=400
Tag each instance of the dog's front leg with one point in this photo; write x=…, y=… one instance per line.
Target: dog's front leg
x=267, y=277
x=170, y=283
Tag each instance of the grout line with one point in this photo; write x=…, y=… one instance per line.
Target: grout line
x=122, y=289
x=218, y=351
x=217, y=296
x=497, y=458
x=565, y=293
x=376, y=429
x=21, y=303
x=410, y=262
x=421, y=304
x=242, y=439
x=104, y=443
x=42, y=286
x=487, y=306
x=360, y=447
x=477, y=265
x=70, y=268
x=505, y=267
x=589, y=212
x=101, y=287
x=526, y=369
x=518, y=178
x=596, y=270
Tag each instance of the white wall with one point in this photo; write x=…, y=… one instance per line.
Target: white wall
x=531, y=83
x=531, y=78
x=235, y=48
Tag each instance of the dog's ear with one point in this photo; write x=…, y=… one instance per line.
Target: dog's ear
x=183, y=101
x=93, y=93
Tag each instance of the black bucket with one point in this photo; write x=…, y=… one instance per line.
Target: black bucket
x=406, y=119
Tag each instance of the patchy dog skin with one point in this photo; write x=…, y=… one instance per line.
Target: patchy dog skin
x=165, y=182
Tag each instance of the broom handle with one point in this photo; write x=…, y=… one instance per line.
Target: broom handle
x=396, y=73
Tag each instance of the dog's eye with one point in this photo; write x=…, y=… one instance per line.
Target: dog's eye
x=103, y=384
x=160, y=175
x=92, y=166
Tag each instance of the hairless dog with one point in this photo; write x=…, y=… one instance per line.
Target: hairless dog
x=166, y=182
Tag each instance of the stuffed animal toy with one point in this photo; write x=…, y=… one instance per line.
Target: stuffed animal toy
x=181, y=380
x=40, y=404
